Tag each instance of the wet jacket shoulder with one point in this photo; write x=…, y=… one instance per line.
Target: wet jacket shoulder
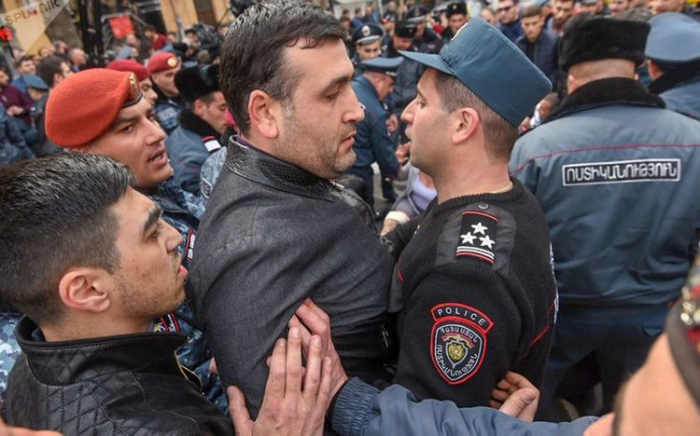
x=122, y=385
x=363, y=410
x=616, y=175
x=273, y=235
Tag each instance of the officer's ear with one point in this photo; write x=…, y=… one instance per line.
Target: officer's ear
x=464, y=123
x=266, y=114
x=87, y=289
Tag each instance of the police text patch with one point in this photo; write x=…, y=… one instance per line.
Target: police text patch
x=624, y=171
x=476, y=237
x=458, y=341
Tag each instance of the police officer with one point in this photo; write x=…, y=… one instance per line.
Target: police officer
x=368, y=44
x=457, y=16
x=407, y=76
x=163, y=67
x=473, y=285
x=426, y=40
x=372, y=141
x=674, y=62
x=619, y=195
x=202, y=123
x=122, y=126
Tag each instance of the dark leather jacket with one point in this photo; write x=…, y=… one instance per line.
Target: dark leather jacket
x=120, y=385
x=272, y=236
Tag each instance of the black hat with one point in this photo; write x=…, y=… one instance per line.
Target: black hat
x=417, y=14
x=388, y=66
x=592, y=39
x=367, y=34
x=456, y=8
x=404, y=29
x=196, y=82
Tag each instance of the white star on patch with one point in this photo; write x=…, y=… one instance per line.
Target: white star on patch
x=468, y=238
x=479, y=228
x=487, y=242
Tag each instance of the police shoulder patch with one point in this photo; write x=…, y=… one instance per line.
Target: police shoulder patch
x=477, y=237
x=458, y=341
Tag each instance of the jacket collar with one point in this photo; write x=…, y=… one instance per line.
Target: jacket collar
x=672, y=80
x=257, y=166
x=606, y=92
x=192, y=122
x=67, y=362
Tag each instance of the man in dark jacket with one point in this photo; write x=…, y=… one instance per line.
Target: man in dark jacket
x=372, y=143
x=95, y=263
x=277, y=230
x=619, y=197
x=202, y=123
x=538, y=44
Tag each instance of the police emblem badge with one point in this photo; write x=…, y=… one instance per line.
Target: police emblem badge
x=458, y=341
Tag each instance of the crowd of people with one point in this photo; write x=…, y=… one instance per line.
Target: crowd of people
x=192, y=242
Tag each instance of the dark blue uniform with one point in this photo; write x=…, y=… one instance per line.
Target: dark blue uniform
x=372, y=142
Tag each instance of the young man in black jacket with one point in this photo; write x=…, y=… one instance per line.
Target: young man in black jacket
x=90, y=262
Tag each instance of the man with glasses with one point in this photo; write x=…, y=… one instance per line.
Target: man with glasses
x=509, y=19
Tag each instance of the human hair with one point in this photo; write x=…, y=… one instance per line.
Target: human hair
x=56, y=216
x=23, y=59
x=532, y=10
x=252, y=56
x=565, y=1
x=48, y=67
x=149, y=28
x=499, y=134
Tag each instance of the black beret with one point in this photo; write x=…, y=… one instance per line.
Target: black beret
x=196, y=82
x=592, y=39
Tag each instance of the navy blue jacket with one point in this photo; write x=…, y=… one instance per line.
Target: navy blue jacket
x=372, y=142
x=616, y=175
x=542, y=53
x=684, y=98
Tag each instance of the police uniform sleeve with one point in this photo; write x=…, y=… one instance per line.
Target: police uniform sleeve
x=459, y=334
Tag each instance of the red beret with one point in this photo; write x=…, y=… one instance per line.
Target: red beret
x=131, y=66
x=161, y=61
x=74, y=116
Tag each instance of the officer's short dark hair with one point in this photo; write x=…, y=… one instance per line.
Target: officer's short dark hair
x=49, y=66
x=54, y=215
x=499, y=134
x=252, y=54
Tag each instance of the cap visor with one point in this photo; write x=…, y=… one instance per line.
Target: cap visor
x=431, y=60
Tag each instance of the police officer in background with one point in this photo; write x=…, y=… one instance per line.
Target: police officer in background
x=163, y=67
x=457, y=16
x=425, y=40
x=368, y=44
x=674, y=62
x=372, y=141
x=202, y=123
x=122, y=126
x=619, y=195
x=407, y=76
